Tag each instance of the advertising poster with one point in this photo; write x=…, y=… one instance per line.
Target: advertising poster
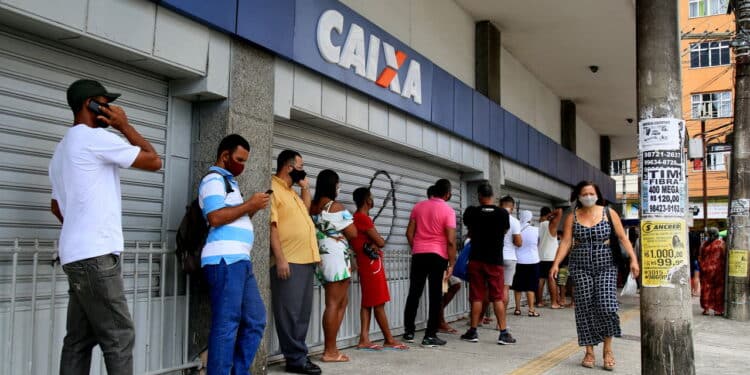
x=660, y=134
x=663, y=179
x=663, y=251
x=738, y=263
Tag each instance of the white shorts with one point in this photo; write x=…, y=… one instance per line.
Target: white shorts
x=509, y=271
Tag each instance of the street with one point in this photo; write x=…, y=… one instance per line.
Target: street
x=547, y=345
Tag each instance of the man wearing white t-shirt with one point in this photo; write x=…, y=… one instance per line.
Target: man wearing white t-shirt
x=85, y=177
x=511, y=242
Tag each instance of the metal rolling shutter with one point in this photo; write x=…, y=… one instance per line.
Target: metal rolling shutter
x=34, y=116
x=526, y=201
x=356, y=162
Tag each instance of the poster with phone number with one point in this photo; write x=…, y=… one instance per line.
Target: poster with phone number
x=663, y=251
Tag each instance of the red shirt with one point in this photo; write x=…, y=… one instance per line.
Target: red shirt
x=363, y=223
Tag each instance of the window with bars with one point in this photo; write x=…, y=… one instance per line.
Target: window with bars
x=712, y=105
x=717, y=161
x=619, y=167
x=709, y=54
x=703, y=8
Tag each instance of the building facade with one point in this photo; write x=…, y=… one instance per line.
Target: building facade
x=350, y=86
x=707, y=97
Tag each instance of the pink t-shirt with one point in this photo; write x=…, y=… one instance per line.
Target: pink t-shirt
x=432, y=217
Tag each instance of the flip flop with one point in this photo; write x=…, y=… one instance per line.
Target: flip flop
x=534, y=314
x=557, y=308
x=397, y=347
x=370, y=348
x=341, y=358
x=451, y=331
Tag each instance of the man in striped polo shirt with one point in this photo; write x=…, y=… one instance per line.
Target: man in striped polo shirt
x=238, y=316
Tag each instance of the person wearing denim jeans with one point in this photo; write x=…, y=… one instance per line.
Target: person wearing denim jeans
x=238, y=316
x=85, y=178
x=96, y=291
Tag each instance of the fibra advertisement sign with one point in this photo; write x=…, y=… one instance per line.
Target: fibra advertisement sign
x=335, y=41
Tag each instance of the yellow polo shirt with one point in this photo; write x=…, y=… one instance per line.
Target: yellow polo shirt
x=296, y=229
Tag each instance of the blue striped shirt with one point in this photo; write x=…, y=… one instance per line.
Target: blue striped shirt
x=231, y=242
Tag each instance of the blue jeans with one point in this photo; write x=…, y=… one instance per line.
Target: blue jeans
x=238, y=317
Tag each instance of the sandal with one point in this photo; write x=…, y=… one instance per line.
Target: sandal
x=340, y=358
x=534, y=314
x=397, y=347
x=449, y=330
x=370, y=348
x=588, y=360
x=517, y=312
x=609, y=361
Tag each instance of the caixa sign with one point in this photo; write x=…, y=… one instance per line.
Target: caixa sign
x=401, y=74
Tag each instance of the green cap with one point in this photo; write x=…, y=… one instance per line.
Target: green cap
x=83, y=89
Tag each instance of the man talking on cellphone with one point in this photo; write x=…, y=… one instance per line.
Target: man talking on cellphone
x=85, y=178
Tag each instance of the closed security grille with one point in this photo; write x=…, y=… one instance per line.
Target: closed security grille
x=34, y=116
x=526, y=201
x=356, y=163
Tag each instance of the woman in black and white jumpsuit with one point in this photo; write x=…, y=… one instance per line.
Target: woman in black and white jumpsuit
x=593, y=270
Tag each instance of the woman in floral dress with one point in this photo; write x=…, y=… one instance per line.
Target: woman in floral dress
x=335, y=228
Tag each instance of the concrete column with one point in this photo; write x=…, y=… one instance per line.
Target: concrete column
x=605, y=153
x=248, y=111
x=487, y=60
x=568, y=125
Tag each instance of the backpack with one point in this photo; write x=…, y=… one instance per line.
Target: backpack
x=192, y=233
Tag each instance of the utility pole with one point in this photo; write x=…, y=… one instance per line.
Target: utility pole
x=666, y=311
x=738, y=242
x=705, y=176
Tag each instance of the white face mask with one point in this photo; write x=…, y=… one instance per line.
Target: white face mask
x=338, y=190
x=587, y=200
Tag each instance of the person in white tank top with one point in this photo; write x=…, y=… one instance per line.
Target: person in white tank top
x=548, y=222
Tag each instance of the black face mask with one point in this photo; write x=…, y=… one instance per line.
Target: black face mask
x=297, y=175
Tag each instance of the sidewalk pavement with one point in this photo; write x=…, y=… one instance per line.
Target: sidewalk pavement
x=548, y=345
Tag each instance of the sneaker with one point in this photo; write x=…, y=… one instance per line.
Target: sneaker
x=470, y=335
x=506, y=339
x=431, y=342
x=408, y=337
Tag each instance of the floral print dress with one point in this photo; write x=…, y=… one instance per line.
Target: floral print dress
x=335, y=253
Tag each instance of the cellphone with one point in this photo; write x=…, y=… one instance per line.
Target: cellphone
x=95, y=107
x=269, y=191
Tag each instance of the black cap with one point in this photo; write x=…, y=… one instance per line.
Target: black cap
x=83, y=89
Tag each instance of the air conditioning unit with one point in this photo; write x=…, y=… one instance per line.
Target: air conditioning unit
x=695, y=148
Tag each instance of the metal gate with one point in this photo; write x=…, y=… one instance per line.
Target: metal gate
x=356, y=163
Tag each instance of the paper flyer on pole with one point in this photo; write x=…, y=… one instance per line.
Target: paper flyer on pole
x=663, y=251
x=661, y=134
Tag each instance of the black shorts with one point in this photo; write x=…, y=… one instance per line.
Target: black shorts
x=544, y=267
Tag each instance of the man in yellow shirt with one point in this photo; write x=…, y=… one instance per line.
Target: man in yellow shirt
x=295, y=254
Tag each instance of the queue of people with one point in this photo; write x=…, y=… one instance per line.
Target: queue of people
x=314, y=236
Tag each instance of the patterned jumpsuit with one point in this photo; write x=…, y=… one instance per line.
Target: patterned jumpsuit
x=595, y=276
